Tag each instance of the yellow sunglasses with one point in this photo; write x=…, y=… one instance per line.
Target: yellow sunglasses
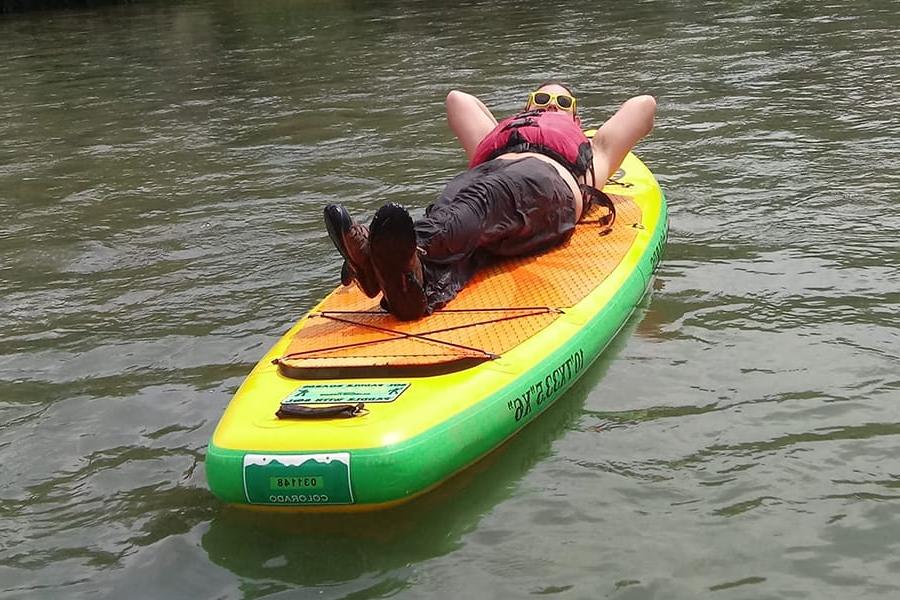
x=541, y=99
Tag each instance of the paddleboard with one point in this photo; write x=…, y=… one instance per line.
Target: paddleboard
x=354, y=410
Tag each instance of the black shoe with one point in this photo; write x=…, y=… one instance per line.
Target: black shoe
x=392, y=244
x=352, y=241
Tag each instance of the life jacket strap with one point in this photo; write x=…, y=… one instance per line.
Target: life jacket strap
x=592, y=196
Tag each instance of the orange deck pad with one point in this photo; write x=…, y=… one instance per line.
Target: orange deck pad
x=501, y=307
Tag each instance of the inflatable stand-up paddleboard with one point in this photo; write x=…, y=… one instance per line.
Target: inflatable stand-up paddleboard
x=353, y=409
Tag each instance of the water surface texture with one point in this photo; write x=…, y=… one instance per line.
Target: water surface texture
x=163, y=168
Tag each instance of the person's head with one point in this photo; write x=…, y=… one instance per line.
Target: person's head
x=552, y=96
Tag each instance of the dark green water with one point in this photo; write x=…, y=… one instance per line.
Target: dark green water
x=162, y=173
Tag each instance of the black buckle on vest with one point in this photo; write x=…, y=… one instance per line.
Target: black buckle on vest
x=520, y=122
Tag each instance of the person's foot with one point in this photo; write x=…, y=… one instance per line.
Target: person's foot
x=352, y=241
x=392, y=244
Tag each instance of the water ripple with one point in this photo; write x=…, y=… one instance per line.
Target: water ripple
x=162, y=177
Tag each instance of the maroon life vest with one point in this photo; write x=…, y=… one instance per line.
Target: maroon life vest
x=554, y=134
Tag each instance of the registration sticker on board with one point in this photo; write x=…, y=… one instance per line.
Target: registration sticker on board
x=332, y=393
x=298, y=479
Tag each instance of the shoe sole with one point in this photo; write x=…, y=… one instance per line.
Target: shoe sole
x=392, y=245
x=337, y=221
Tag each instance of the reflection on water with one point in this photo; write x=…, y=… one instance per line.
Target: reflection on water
x=162, y=173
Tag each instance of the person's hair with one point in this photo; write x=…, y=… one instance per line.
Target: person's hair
x=565, y=86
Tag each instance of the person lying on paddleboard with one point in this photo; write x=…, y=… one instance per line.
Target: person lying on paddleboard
x=530, y=178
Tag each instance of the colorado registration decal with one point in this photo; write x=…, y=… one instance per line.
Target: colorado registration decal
x=298, y=479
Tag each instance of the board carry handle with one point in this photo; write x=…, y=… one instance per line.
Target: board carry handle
x=344, y=411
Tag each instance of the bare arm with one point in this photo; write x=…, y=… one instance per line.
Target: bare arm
x=469, y=119
x=615, y=139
